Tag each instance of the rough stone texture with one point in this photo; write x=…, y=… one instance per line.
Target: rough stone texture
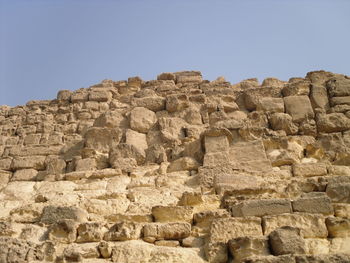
x=286, y=240
x=178, y=169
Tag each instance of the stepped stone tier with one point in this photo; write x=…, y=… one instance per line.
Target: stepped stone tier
x=179, y=169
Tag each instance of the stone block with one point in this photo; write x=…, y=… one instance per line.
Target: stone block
x=316, y=246
x=161, y=231
x=342, y=210
x=340, y=101
x=24, y=175
x=136, y=139
x=296, y=88
x=124, y=231
x=286, y=240
x=172, y=213
x=216, y=143
x=319, y=97
x=283, y=121
x=90, y=232
x=332, y=122
x=309, y=169
x=313, y=203
x=188, y=76
x=52, y=214
x=183, y=164
x=142, y=119
x=334, y=258
x=224, y=229
x=63, y=231
x=32, y=162
x=311, y=225
x=100, y=96
x=261, y=207
x=340, y=245
x=339, y=192
x=338, y=227
x=299, y=107
x=242, y=248
x=338, y=86
x=271, y=105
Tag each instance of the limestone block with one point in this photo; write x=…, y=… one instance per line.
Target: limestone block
x=105, y=249
x=216, y=144
x=136, y=139
x=309, y=169
x=100, y=96
x=79, y=97
x=333, y=122
x=153, y=103
x=88, y=164
x=172, y=213
x=5, y=164
x=192, y=242
x=342, y=210
x=272, y=259
x=340, y=101
x=311, y=225
x=52, y=214
x=205, y=218
x=24, y=175
x=224, y=229
x=271, y=105
x=252, y=95
x=299, y=107
x=339, y=192
x=4, y=178
x=338, y=86
x=167, y=230
x=166, y=76
x=340, y=245
x=142, y=119
x=319, y=97
x=214, y=159
x=286, y=240
x=64, y=95
x=125, y=151
x=101, y=139
x=32, y=139
x=239, y=183
x=313, y=203
x=188, y=76
x=90, y=232
x=183, y=164
x=63, y=231
x=139, y=251
x=33, y=162
x=124, y=231
x=316, y=246
x=296, y=88
x=216, y=252
x=338, y=227
x=283, y=121
x=261, y=207
x=242, y=248
x=176, y=102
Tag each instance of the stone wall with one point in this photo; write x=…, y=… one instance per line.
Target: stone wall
x=179, y=169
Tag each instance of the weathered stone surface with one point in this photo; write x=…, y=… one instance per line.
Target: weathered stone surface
x=52, y=214
x=261, y=207
x=338, y=227
x=63, y=231
x=336, y=258
x=338, y=86
x=283, y=121
x=309, y=169
x=90, y=232
x=333, y=122
x=299, y=107
x=224, y=229
x=311, y=225
x=124, y=231
x=216, y=143
x=271, y=105
x=313, y=203
x=339, y=192
x=142, y=119
x=286, y=240
x=244, y=247
x=172, y=213
x=167, y=230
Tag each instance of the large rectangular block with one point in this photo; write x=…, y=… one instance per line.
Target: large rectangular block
x=311, y=225
x=167, y=230
x=216, y=144
x=313, y=203
x=299, y=107
x=262, y=207
x=224, y=229
x=309, y=169
x=172, y=213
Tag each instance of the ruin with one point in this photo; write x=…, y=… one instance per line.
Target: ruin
x=179, y=169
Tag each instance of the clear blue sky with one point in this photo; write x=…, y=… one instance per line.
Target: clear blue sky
x=49, y=45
